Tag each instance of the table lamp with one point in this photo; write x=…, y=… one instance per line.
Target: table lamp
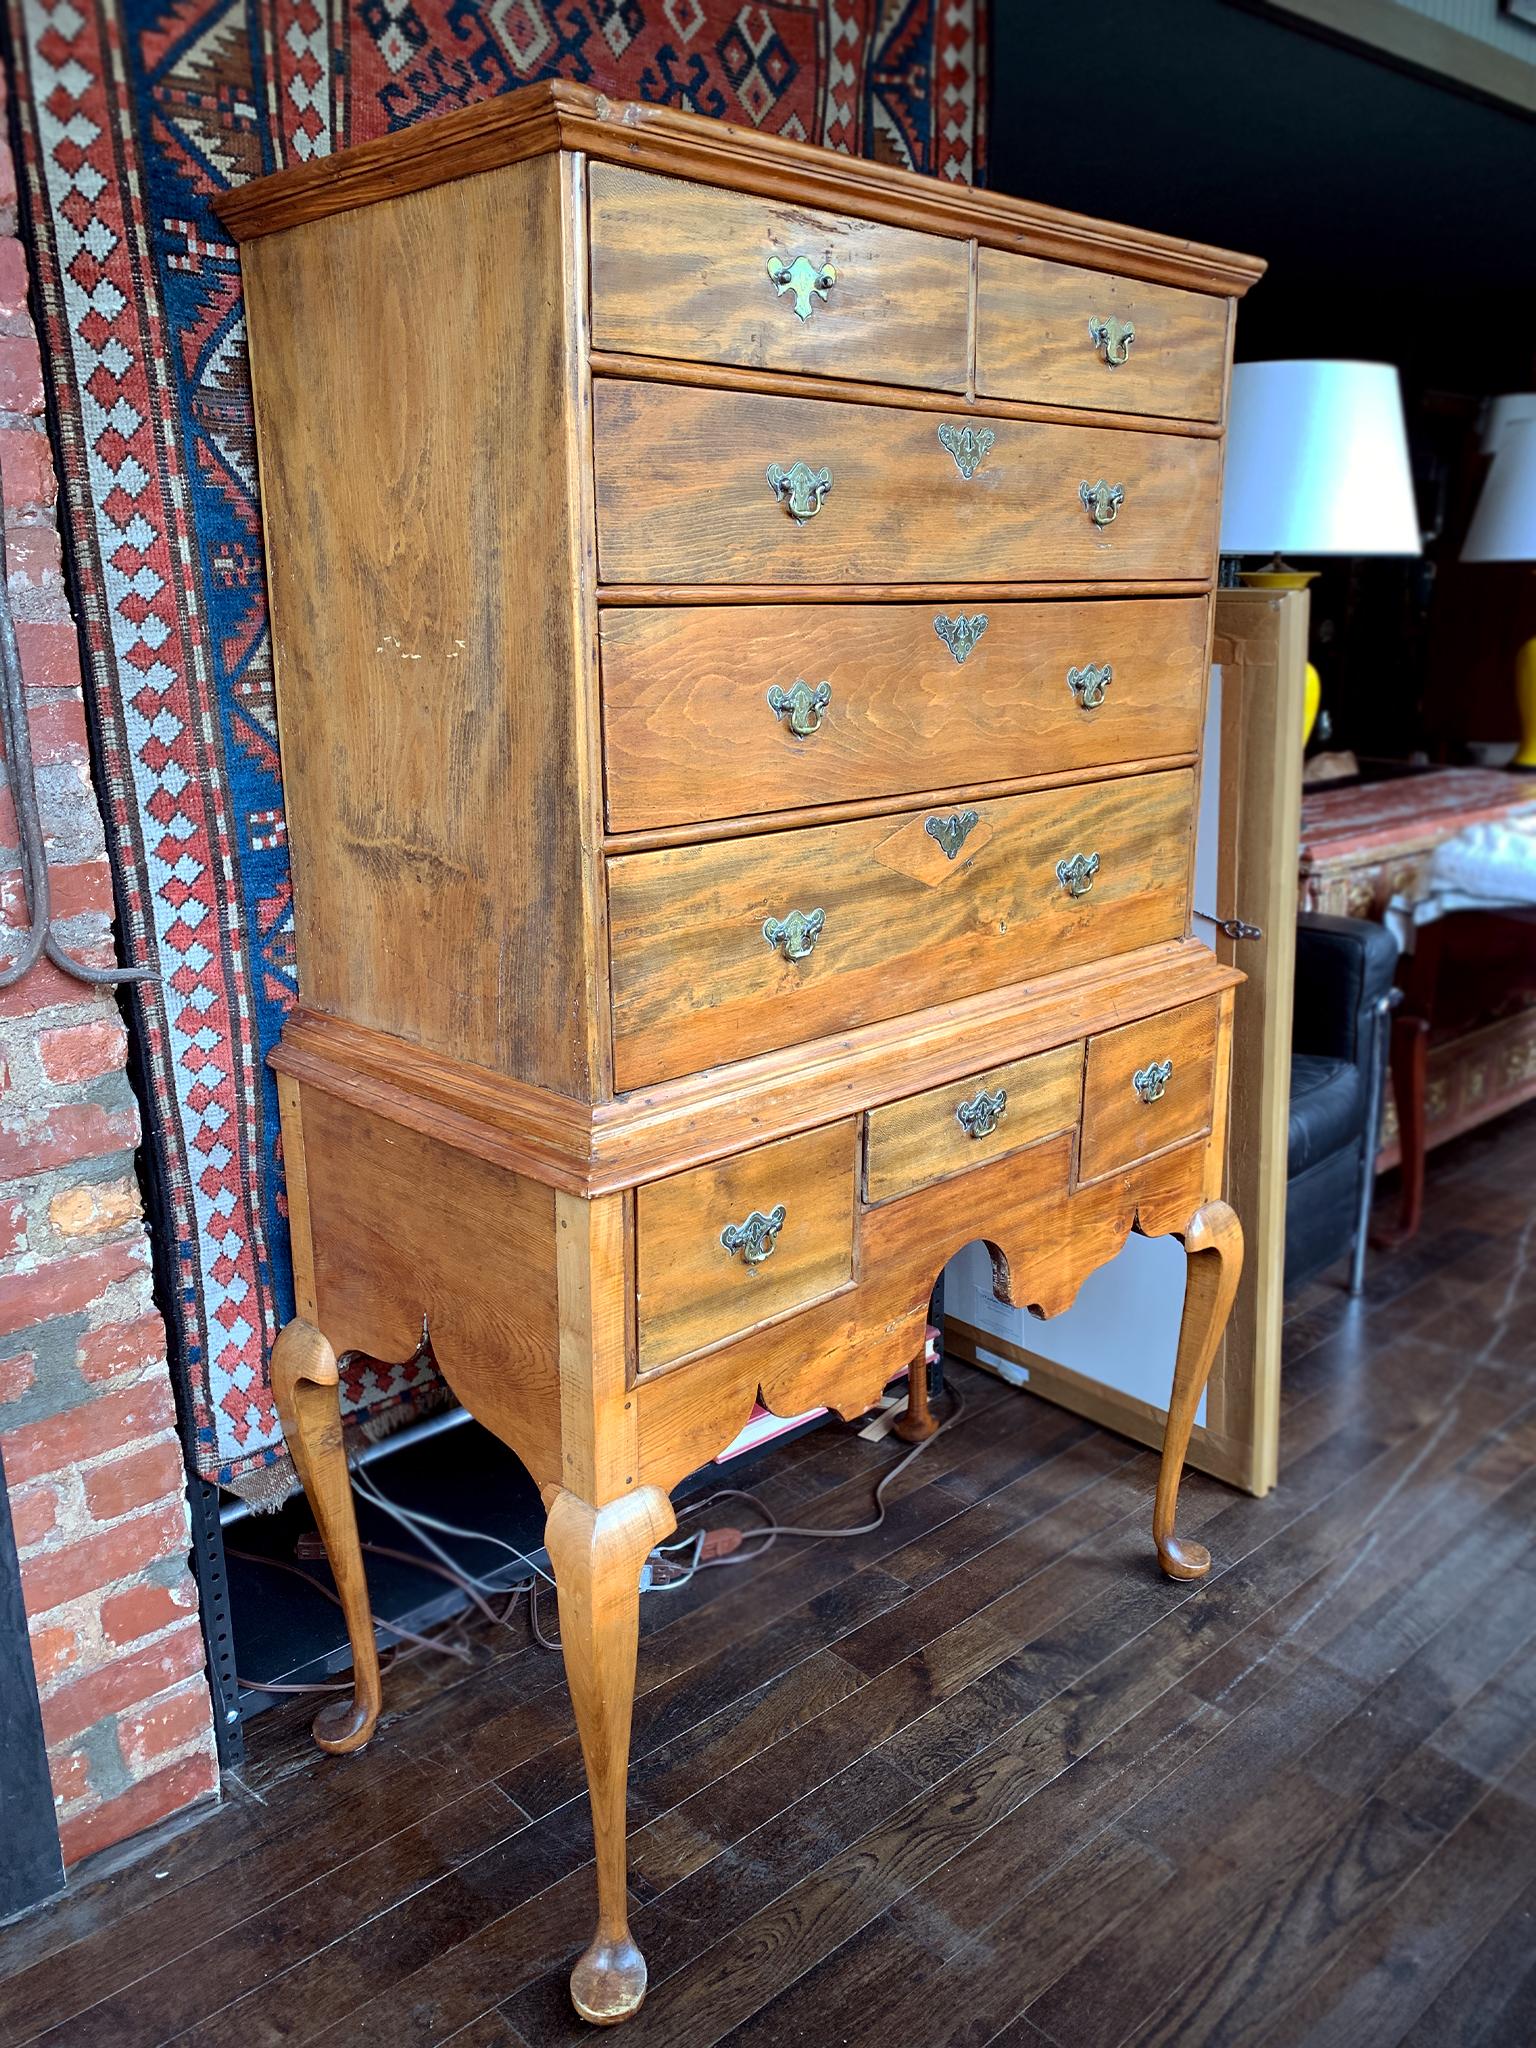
x=1503, y=529
x=1317, y=464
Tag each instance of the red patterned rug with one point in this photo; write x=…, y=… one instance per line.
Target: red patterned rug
x=135, y=116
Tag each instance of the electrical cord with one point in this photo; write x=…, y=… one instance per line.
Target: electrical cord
x=662, y=1574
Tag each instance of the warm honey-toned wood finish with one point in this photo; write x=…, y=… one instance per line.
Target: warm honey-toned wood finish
x=306, y=1387
x=696, y=983
x=682, y=270
x=683, y=494
x=1120, y=1123
x=563, y=1115
x=1033, y=340
x=691, y=1291
x=443, y=883
x=690, y=734
x=923, y=1138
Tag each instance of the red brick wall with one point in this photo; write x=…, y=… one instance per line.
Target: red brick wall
x=87, y=1427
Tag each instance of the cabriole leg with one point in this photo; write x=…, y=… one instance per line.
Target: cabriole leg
x=306, y=1384
x=597, y=1555
x=1214, y=1243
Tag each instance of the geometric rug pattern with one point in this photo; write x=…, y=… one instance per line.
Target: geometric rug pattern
x=135, y=117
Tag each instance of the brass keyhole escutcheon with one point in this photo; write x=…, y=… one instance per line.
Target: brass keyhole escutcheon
x=756, y=1238
x=952, y=832
x=799, y=489
x=1112, y=338
x=968, y=445
x=1076, y=875
x=804, y=280
x=1089, y=684
x=797, y=933
x=1151, y=1083
x=800, y=706
x=1101, y=501
x=960, y=633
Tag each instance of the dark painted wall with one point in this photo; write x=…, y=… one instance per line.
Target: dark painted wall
x=1398, y=218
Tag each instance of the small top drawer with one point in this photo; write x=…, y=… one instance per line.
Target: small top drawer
x=725, y=1247
x=1063, y=336
x=967, y=1123
x=1148, y=1086
x=708, y=276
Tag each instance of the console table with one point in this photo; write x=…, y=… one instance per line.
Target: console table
x=1464, y=1040
x=741, y=620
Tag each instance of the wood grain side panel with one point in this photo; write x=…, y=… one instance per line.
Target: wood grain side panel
x=692, y=1292
x=404, y=1228
x=690, y=734
x=428, y=630
x=908, y=1144
x=683, y=495
x=695, y=982
x=1118, y=1126
x=1033, y=341
x=682, y=270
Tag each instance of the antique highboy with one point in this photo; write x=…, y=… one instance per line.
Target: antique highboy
x=741, y=619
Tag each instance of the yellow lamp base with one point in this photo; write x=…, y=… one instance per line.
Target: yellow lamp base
x=1277, y=575
x=1525, y=701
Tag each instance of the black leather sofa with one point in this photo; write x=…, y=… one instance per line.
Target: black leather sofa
x=1344, y=977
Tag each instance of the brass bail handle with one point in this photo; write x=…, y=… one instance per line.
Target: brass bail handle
x=1089, y=684
x=1076, y=875
x=1151, y=1082
x=980, y=1117
x=1101, y=501
x=797, y=933
x=756, y=1238
x=800, y=707
x=799, y=489
x=1112, y=339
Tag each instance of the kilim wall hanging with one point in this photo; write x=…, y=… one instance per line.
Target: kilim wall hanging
x=134, y=117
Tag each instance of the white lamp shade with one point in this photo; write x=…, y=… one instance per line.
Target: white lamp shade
x=1501, y=413
x=1317, y=462
x=1504, y=524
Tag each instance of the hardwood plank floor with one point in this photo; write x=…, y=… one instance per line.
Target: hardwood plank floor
x=981, y=1779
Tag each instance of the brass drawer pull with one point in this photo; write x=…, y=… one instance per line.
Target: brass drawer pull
x=1112, y=338
x=800, y=489
x=1076, y=875
x=803, y=705
x=960, y=633
x=756, y=1238
x=980, y=1117
x=1089, y=684
x=805, y=279
x=797, y=933
x=968, y=445
x=1102, y=501
x=1151, y=1083
x=953, y=831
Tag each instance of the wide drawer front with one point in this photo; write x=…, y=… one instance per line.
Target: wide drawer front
x=722, y=950
x=719, y=712
x=710, y=276
x=968, y=1123
x=711, y=487
x=725, y=1247
x=1148, y=1086
x=1063, y=336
